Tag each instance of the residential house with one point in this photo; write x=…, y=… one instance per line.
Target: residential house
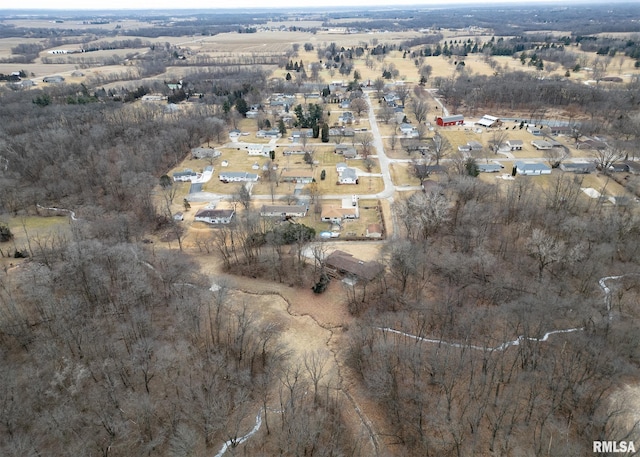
x=283, y=211
x=238, y=176
x=234, y=134
x=53, y=79
x=346, y=151
x=532, y=168
x=263, y=150
x=560, y=130
x=346, y=117
x=341, y=263
x=215, y=216
x=541, y=145
x=201, y=153
x=409, y=130
x=471, y=146
x=514, y=145
x=184, y=176
x=578, y=167
x=340, y=167
x=348, y=176
x=303, y=176
x=489, y=167
x=293, y=151
x=374, y=231
x=532, y=129
x=335, y=214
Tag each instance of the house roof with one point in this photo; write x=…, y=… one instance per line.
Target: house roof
x=334, y=212
x=238, y=174
x=489, y=167
x=349, y=173
x=541, y=144
x=283, y=209
x=297, y=173
x=532, y=166
x=215, y=213
x=488, y=121
x=341, y=165
x=515, y=142
x=346, y=263
x=452, y=118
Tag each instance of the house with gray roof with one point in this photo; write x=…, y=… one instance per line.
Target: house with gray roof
x=532, y=168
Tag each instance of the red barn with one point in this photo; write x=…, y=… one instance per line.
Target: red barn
x=447, y=121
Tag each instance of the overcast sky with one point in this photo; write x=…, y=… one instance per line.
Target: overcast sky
x=217, y=4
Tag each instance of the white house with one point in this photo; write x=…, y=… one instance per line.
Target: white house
x=515, y=145
x=532, y=129
x=541, y=145
x=262, y=150
x=215, y=216
x=234, y=134
x=340, y=167
x=348, y=176
x=532, y=168
x=409, y=130
x=184, y=176
x=238, y=176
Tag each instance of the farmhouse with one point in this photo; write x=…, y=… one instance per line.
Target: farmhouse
x=489, y=121
x=447, y=121
x=238, y=176
x=348, y=176
x=297, y=176
x=184, y=176
x=215, y=216
x=532, y=168
x=343, y=263
x=263, y=150
x=515, y=145
x=541, y=145
x=283, y=211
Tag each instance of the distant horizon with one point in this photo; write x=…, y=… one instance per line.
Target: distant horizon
x=205, y=5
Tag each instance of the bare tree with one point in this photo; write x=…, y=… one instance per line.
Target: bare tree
x=420, y=109
x=402, y=92
x=608, y=155
x=498, y=138
x=556, y=155
x=359, y=106
x=366, y=143
x=441, y=148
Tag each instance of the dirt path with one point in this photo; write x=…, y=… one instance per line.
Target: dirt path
x=309, y=323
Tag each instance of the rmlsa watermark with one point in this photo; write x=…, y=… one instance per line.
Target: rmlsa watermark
x=622, y=447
